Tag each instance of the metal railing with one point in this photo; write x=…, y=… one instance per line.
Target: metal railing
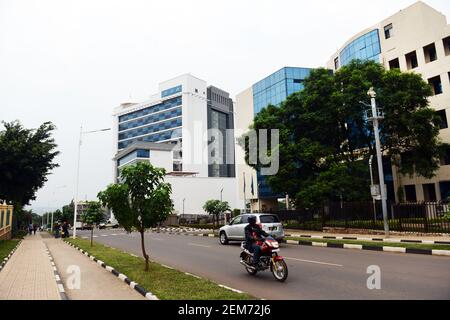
x=424, y=217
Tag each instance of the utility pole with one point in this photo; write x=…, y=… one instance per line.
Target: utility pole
x=375, y=118
x=78, y=177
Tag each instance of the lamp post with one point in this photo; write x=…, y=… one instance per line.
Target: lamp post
x=375, y=118
x=78, y=177
x=184, y=199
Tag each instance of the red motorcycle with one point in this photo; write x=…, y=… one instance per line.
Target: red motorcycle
x=269, y=259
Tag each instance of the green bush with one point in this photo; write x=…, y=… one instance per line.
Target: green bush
x=20, y=234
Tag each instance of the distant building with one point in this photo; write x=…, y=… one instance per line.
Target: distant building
x=416, y=39
x=173, y=130
x=6, y=215
x=273, y=89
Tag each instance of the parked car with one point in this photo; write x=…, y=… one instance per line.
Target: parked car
x=234, y=231
x=108, y=224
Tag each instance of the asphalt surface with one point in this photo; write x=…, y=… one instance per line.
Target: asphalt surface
x=314, y=272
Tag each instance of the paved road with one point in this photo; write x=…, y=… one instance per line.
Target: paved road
x=314, y=273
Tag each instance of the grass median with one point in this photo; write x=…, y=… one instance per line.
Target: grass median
x=377, y=243
x=165, y=283
x=6, y=246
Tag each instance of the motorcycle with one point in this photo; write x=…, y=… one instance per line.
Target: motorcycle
x=269, y=259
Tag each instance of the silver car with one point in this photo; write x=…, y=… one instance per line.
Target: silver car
x=234, y=231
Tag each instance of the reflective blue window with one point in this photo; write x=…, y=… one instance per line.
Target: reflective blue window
x=140, y=153
x=366, y=47
x=170, y=103
x=278, y=86
x=158, y=137
x=169, y=124
x=171, y=91
x=151, y=119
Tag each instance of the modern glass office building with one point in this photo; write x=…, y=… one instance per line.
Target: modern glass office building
x=365, y=47
x=275, y=88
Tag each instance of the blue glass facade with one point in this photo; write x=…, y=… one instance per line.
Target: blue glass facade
x=273, y=90
x=153, y=124
x=278, y=86
x=140, y=153
x=366, y=47
x=171, y=91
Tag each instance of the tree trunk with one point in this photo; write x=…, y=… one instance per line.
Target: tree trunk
x=144, y=253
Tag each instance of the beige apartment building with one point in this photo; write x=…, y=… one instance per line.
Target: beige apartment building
x=416, y=39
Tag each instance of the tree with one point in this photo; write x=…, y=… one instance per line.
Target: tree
x=93, y=216
x=326, y=138
x=141, y=200
x=26, y=159
x=215, y=208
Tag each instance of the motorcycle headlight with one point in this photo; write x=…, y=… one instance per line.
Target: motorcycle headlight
x=275, y=245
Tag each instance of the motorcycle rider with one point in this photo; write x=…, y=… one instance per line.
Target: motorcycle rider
x=253, y=233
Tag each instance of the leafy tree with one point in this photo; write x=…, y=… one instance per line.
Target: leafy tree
x=68, y=212
x=326, y=138
x=215, y=208
x=93, y=216
x=26, y=159
x=141, y=200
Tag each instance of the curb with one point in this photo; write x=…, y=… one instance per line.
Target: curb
x=370, y=248
x=5, y=260
x=368, y=239
x=122, y=277
x=59, y=283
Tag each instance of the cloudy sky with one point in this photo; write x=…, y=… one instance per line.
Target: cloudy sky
x=72, y=62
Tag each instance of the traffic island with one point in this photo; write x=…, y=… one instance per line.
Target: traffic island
x=412, y=248
x=162, y=282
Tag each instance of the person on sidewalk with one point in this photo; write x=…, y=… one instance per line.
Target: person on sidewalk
x=30, y=229
x=34, y=228
x=65, y=228
x=57, y=229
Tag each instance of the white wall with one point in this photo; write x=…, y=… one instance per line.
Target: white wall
x=197, y=191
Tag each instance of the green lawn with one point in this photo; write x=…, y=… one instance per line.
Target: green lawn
x=6, y=247
x=166, y=284
x=377, y=243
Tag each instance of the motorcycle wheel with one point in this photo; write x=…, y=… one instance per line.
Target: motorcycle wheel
x=279, y=270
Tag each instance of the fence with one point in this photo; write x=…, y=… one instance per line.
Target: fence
x=425, y=217
x=6, y=212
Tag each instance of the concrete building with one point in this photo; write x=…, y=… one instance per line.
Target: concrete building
x=416, y=39
x=6, y=215
x=187, y=129
x=273, y=89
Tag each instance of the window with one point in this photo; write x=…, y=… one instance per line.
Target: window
x=411, y=60
x=394, y=64
x=336, y=63
x=177, y=167
x=443, y=115
x=410, y=193
x=388, y=31
x=447, y=46
x=269, y=219
x=430, y=53
x=429, y=192
x=236, y=220
x=445, y=160
x=436, y=84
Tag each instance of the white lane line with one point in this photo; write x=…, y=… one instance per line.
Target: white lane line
x=316, y=262
x=157, y=239
x=198, y=245
x=104, y=235
x=114, y=234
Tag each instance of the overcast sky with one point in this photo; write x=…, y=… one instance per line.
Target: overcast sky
x=72, y=62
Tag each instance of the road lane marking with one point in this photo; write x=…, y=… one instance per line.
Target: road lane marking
x=316, y=262
x=104, y=235
x=198, y=245
x=114, y=234
x=157, y=239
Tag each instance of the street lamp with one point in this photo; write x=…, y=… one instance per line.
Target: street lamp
x=221, y=194
x=375, y=118
x=78, y=177
x=184, y=199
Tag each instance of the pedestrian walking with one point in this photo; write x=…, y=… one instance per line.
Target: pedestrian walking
x=57, y=229
x=65, y=228
x=30, y=229
x=35, y=228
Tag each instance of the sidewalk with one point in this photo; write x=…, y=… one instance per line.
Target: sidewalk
x=95, y=283
x=28, y=275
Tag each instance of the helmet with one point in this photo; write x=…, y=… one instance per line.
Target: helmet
x=252, y=220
